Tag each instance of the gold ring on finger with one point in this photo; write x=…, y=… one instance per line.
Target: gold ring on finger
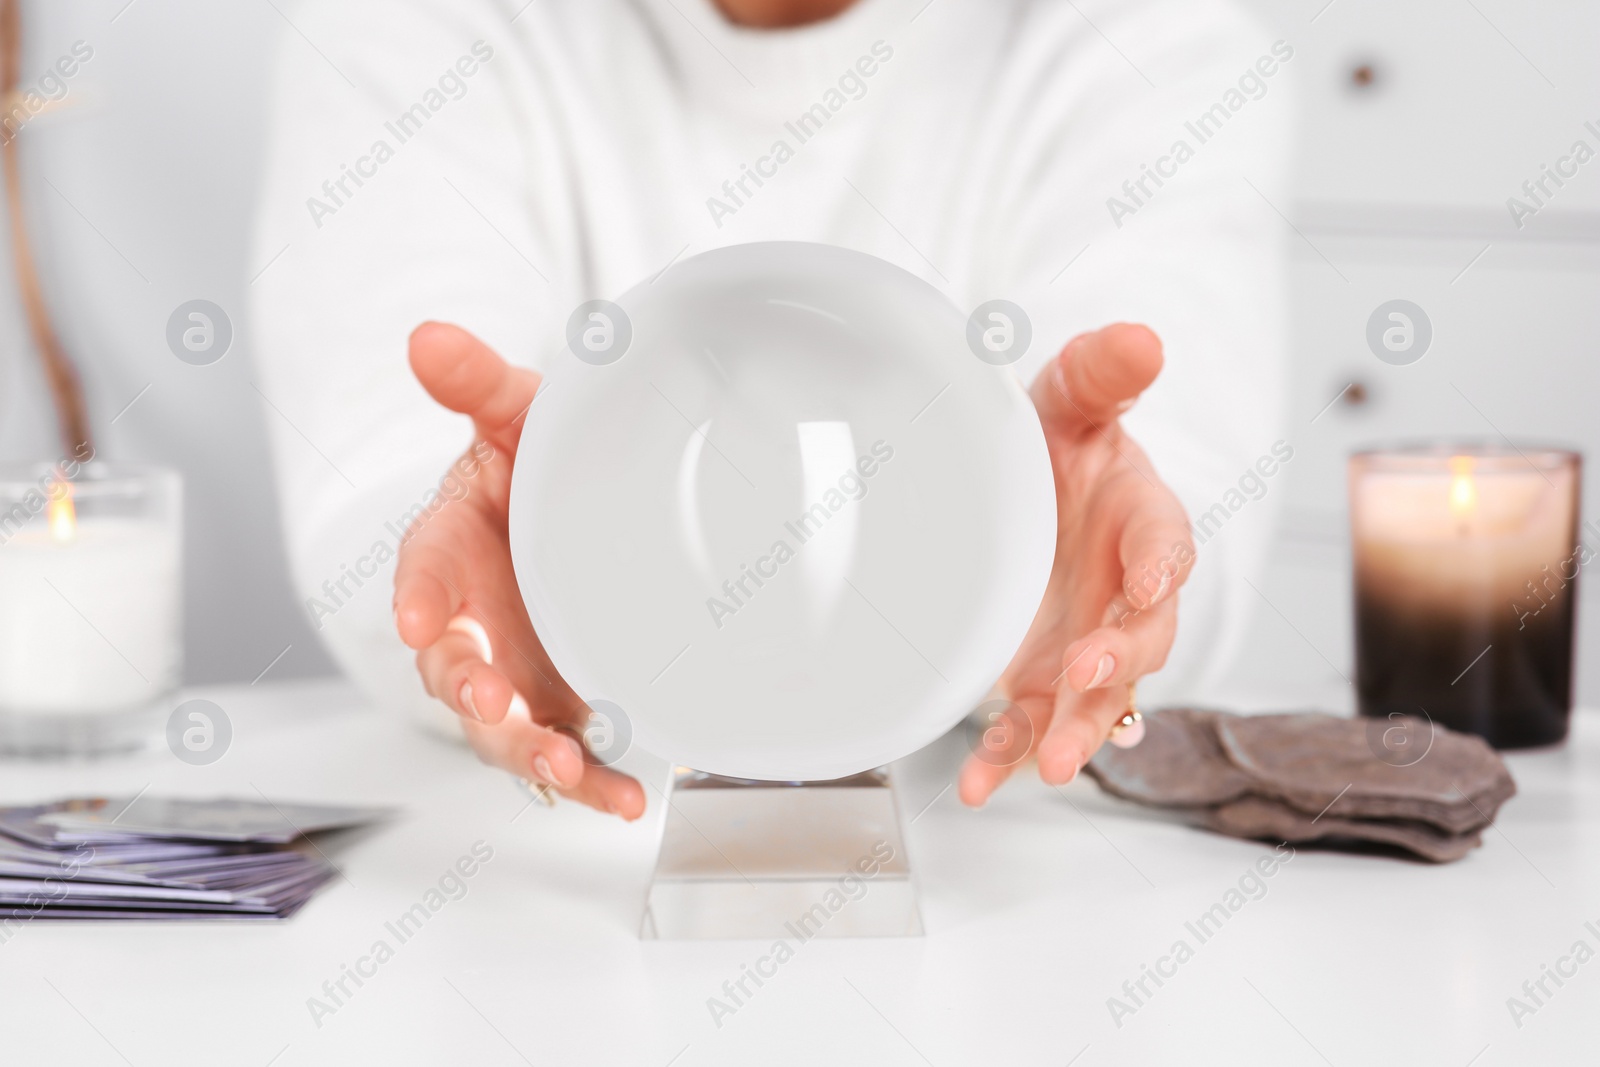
x=1128, y=730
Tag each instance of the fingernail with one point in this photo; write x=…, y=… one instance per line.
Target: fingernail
x=465, y=698
x=1059, y=371
x=1102, y=671
x=541, y=767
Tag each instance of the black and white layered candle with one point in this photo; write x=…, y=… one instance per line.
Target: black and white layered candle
x=1466, y=563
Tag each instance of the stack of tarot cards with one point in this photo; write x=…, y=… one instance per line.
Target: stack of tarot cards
x=162, y=858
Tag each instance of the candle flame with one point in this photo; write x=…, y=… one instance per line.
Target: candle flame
x=1463, y=489
x=62, y=515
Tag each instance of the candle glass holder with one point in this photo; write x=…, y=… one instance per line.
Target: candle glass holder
x=90, y=607
x=1466, y=560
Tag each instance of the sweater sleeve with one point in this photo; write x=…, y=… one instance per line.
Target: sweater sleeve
x=1154, y=196
x=396, y=190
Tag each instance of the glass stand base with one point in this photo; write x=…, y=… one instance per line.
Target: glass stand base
x=781, y=860
x=46, y=737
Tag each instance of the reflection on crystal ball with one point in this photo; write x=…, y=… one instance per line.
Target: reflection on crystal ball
x=794, y=529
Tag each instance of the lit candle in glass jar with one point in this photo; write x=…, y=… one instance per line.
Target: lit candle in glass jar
x=90, y=607
x=1466, y=562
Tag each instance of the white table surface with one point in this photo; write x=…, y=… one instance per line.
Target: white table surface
x=1038, y=908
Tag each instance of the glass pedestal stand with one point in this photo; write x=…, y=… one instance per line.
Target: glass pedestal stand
x=781, y=860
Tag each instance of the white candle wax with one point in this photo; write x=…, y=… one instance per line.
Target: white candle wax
x=90, y=624
x=1461, y=539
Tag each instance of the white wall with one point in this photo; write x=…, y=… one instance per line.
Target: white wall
x=1402, y=189
x=138, y=191
x=139, y=196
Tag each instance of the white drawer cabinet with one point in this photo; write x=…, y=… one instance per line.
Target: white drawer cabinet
x=1453, y=111
x=1515, y=349
x=1416, y=122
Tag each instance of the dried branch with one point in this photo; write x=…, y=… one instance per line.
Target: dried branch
x=66, y=388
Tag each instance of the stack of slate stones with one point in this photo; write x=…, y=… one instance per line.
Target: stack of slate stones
x=1392, y=783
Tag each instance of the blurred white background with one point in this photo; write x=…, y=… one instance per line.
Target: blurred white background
x=1417, y=122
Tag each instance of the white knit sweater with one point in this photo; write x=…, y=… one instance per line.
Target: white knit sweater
x=495, y=164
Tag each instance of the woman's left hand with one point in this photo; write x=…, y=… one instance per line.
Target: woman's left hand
x=1123, y=548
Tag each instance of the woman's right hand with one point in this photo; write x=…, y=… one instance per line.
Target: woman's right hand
x=456, y=597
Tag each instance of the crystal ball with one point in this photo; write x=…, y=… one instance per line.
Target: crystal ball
x=774, y=507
